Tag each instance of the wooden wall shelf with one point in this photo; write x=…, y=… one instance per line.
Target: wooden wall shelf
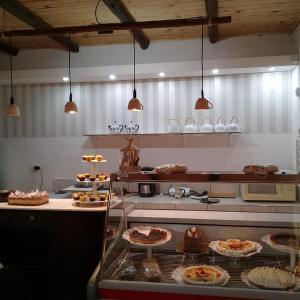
x=226, y=177
x=160, y=134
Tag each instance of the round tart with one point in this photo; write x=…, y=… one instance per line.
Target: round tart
x=271, y=278
x=235, y=246
x=286, y=239
x=151, y=236
x=203, y=275
x=147, y=236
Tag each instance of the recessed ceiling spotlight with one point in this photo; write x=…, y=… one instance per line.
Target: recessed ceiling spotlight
x=66, y=79
x=162, y=74
x=272, y=68
x=215, y=71
x=112, y=76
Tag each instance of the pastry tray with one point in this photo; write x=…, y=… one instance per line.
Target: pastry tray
x=168, y=261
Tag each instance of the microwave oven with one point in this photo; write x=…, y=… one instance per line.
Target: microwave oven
x=269, y=192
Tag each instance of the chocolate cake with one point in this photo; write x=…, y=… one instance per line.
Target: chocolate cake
x=193, y=240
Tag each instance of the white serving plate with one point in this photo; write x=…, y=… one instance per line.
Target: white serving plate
x=94, y=161
x=245, y=279
x=178, y=273
x=146, y=229
x=214, y=246
x=90, y=203
x=281, y=248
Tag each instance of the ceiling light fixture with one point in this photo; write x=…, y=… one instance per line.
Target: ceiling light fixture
x=162, y=74
x=134, y=104
x=215, y=71
x=65, y=79
x=112, y=77
x=272, y=68
x=70, y=106
x=11, y=110
x=202, y=103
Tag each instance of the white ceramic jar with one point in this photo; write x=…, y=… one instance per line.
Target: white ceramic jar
x=220, y=125
x=174, y=126
x=115, y=128
x=190, y=125
x=207, y=126
x=131, y=128
x=234, y=125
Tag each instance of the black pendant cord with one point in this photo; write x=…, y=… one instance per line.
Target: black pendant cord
x=202, y=92
x=12, y=101
x=70, y=80
x=134, y=90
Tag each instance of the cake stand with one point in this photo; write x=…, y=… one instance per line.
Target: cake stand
x=126, y=236
x=234, y=256
x=293, y=253
x=191, y=257
x=94, y=183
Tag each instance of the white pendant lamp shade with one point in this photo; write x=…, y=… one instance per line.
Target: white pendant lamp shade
x=134, y=104
x=70, y=106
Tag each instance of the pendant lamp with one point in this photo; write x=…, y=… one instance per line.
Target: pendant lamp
x=70, y=106
x=11, y=110
x=202, y=103
x=134, y=104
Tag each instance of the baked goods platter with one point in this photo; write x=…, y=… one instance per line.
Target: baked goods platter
x=207, y=275
x=147, y=236
x=235, y=248
x=270, y=278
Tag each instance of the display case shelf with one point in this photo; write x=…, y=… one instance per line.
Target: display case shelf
x=222, y=177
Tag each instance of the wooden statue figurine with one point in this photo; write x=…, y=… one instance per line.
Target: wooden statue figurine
x=130, y=158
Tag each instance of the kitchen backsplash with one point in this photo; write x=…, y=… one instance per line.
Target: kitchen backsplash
x=262, y=102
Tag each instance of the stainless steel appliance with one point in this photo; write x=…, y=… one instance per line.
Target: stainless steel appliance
x=146, y=189
x=269, y=192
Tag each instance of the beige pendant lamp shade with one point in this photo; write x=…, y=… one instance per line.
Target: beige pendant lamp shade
x=70, y=106
x=134, y=104
x=202, y=103
x=11, y=110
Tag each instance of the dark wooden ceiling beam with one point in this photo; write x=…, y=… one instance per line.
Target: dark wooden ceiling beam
x=120, y=26
x=122, y=13
x=18, y=10
x=5, y=47
x=212, y=11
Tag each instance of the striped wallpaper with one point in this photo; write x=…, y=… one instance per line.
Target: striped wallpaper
x=262, y=101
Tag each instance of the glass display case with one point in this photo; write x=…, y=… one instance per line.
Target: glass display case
x=199, y=254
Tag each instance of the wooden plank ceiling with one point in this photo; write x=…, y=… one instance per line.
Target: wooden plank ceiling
x=248, y=17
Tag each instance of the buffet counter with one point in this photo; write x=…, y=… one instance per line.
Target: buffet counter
x=54, y=205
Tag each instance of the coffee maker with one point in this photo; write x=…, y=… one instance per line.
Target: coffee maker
x=146, y=189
